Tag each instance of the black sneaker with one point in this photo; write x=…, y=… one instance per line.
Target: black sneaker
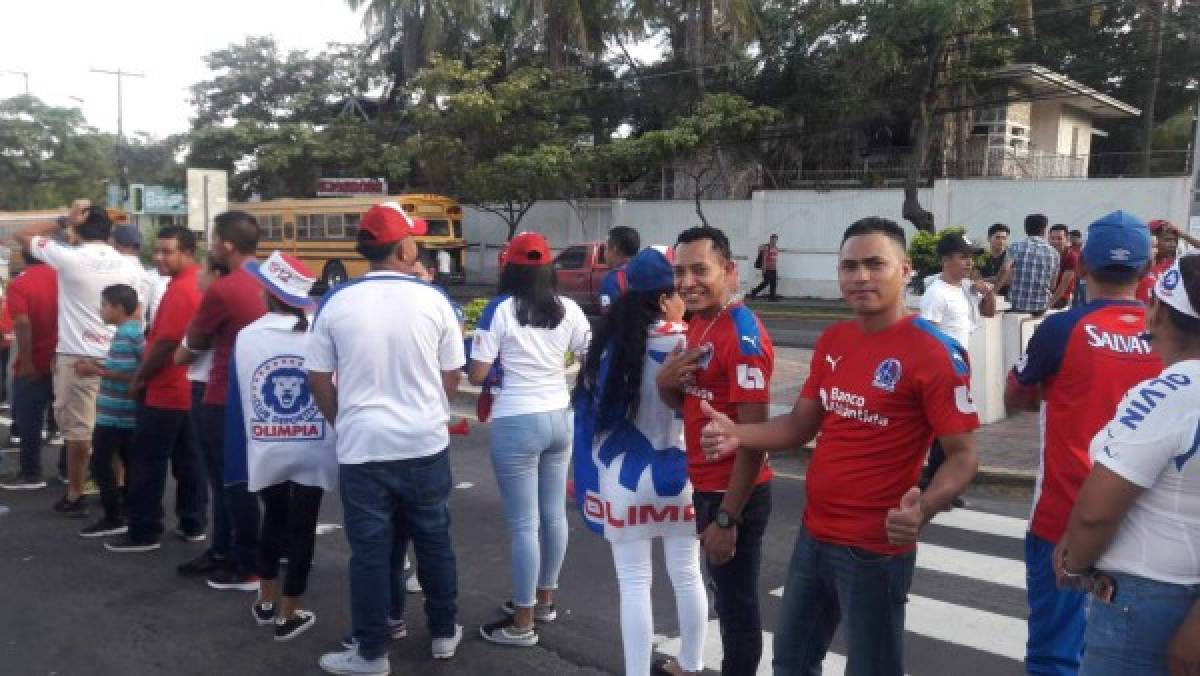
x=190, y=536
x=24, y=483
x=504, y=633
x=229, y=579
x=205, y=564
x=104, y=527
x=264, y=613
x=127, y=545
x=300, y=622
x=75, y=509
x=541, y=613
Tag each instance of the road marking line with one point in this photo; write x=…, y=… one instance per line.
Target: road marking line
x=326, y=528
x=962, y=625
x=964, y=563
x=983, y=522
x=464, y=485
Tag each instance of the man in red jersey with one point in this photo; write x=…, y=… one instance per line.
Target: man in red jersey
x=881, y=388
x=727, y=365
x=1077, y=367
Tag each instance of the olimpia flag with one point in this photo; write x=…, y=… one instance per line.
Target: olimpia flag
x=631, y=480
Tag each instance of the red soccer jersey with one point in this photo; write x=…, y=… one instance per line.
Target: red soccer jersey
x=169, y=387
x=230, y=303
x=34, y=294
x=886, y=396
x=736, y=370
x=1085, y=359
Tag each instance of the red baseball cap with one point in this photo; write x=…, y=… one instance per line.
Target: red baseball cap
x=1157, y=225
x=387, y=223
x=528, y=248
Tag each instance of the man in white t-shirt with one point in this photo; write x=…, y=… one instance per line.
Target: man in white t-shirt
x=391, y=431
x=127, y=240
x=1133, y=539
x=954, y=302
x=83, y=272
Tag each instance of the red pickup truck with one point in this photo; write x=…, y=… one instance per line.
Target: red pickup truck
x=580, y=268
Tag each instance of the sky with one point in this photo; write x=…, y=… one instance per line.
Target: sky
x=58, y=41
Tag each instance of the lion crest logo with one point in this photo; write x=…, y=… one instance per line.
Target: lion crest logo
x=282, y=400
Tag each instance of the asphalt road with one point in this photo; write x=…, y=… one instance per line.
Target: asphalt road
x=70, y=607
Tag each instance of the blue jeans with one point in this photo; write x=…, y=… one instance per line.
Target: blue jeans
x=1056, y=616
x=240, y=504
x=30, y=399
x=162, y=436
x=214, y=463
x=529, y=456
x=735, y=583
x=828, y=583
x=377, y=499
x=1129, y=636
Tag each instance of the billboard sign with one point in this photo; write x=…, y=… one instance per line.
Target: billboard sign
x=207, y=196
x=158, y=199
x=351, y=187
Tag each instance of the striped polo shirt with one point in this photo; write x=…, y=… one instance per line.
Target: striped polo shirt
x=115, y=406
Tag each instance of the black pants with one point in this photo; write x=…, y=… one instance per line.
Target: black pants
x=735, y=584
x=242, y=504
x=770, y=279
x=289, y=522
x=109, y=443
x=31, y=400
x=163, y=436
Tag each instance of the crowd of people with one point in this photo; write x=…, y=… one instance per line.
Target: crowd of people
x=260, y=400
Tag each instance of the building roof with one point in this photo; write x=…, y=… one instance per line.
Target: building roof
x=1044, y=84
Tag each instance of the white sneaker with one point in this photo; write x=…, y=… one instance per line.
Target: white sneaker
x=444, y=647
x=412, y=585
x=349, y=662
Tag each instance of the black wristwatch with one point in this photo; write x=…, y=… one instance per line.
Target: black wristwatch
x=726, y=520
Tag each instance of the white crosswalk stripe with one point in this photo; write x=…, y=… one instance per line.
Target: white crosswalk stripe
x=995, y=634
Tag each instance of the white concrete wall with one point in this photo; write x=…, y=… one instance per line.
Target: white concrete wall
x=810, y=223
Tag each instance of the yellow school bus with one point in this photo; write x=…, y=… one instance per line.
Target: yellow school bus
x=322, y=231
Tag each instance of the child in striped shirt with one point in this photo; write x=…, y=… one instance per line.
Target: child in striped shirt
x=115, y=406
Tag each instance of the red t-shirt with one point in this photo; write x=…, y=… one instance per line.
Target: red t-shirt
x=886, y=396
x=169, y=387
x=737, y=371
x=1145, y=287
x=1069, y=262
x=34, y=294
x=230, y=303
x=1085, y=360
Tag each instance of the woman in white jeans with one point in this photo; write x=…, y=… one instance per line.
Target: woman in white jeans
x=532, y=329
x=631, y=479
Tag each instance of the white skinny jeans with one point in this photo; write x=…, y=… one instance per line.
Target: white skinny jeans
x=635, y=571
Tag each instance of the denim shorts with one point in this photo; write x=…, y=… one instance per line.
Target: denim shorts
x=1130, y=635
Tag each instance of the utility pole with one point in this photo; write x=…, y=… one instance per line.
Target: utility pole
x=23, y=74
x=122, y=176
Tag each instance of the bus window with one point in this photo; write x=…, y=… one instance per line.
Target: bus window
x=351, y=225
x=274, y=227
x=316, y=226
x=334, y=226
x=437, y=227
x=301, y=226
x=457, y=229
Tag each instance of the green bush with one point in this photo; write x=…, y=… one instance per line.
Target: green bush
x=473, y=311
x=922, y=250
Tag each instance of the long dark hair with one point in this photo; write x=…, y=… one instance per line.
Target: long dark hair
x=276, y=305
x=535, y=291
x=621, y=338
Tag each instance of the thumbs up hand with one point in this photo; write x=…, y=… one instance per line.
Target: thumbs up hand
x=718, y=437
x=904, y=522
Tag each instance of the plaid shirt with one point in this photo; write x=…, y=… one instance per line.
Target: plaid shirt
x=1035, y=264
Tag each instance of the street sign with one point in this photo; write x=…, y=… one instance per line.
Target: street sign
x=159, y=199
x=207, y=196
x=351, y=187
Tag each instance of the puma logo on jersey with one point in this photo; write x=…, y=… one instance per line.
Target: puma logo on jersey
x=752, y=341
x=833, y=362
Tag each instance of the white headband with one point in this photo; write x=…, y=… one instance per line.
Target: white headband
x=1170, y=290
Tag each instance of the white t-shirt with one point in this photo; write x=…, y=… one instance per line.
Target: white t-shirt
x=1154, y=442
x=535, y=379
x=388, y=337
x=83, y=272
x=155, y=286
x=954, y=309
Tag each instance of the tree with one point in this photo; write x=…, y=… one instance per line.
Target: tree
x=49, y=156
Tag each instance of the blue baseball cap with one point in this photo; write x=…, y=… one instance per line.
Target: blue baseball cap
x=650, y=270
x=1118, y=239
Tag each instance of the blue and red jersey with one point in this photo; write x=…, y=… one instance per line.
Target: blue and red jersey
x=885, y=396
x=735, y=369
x=1085, y=360
x=612, y=286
